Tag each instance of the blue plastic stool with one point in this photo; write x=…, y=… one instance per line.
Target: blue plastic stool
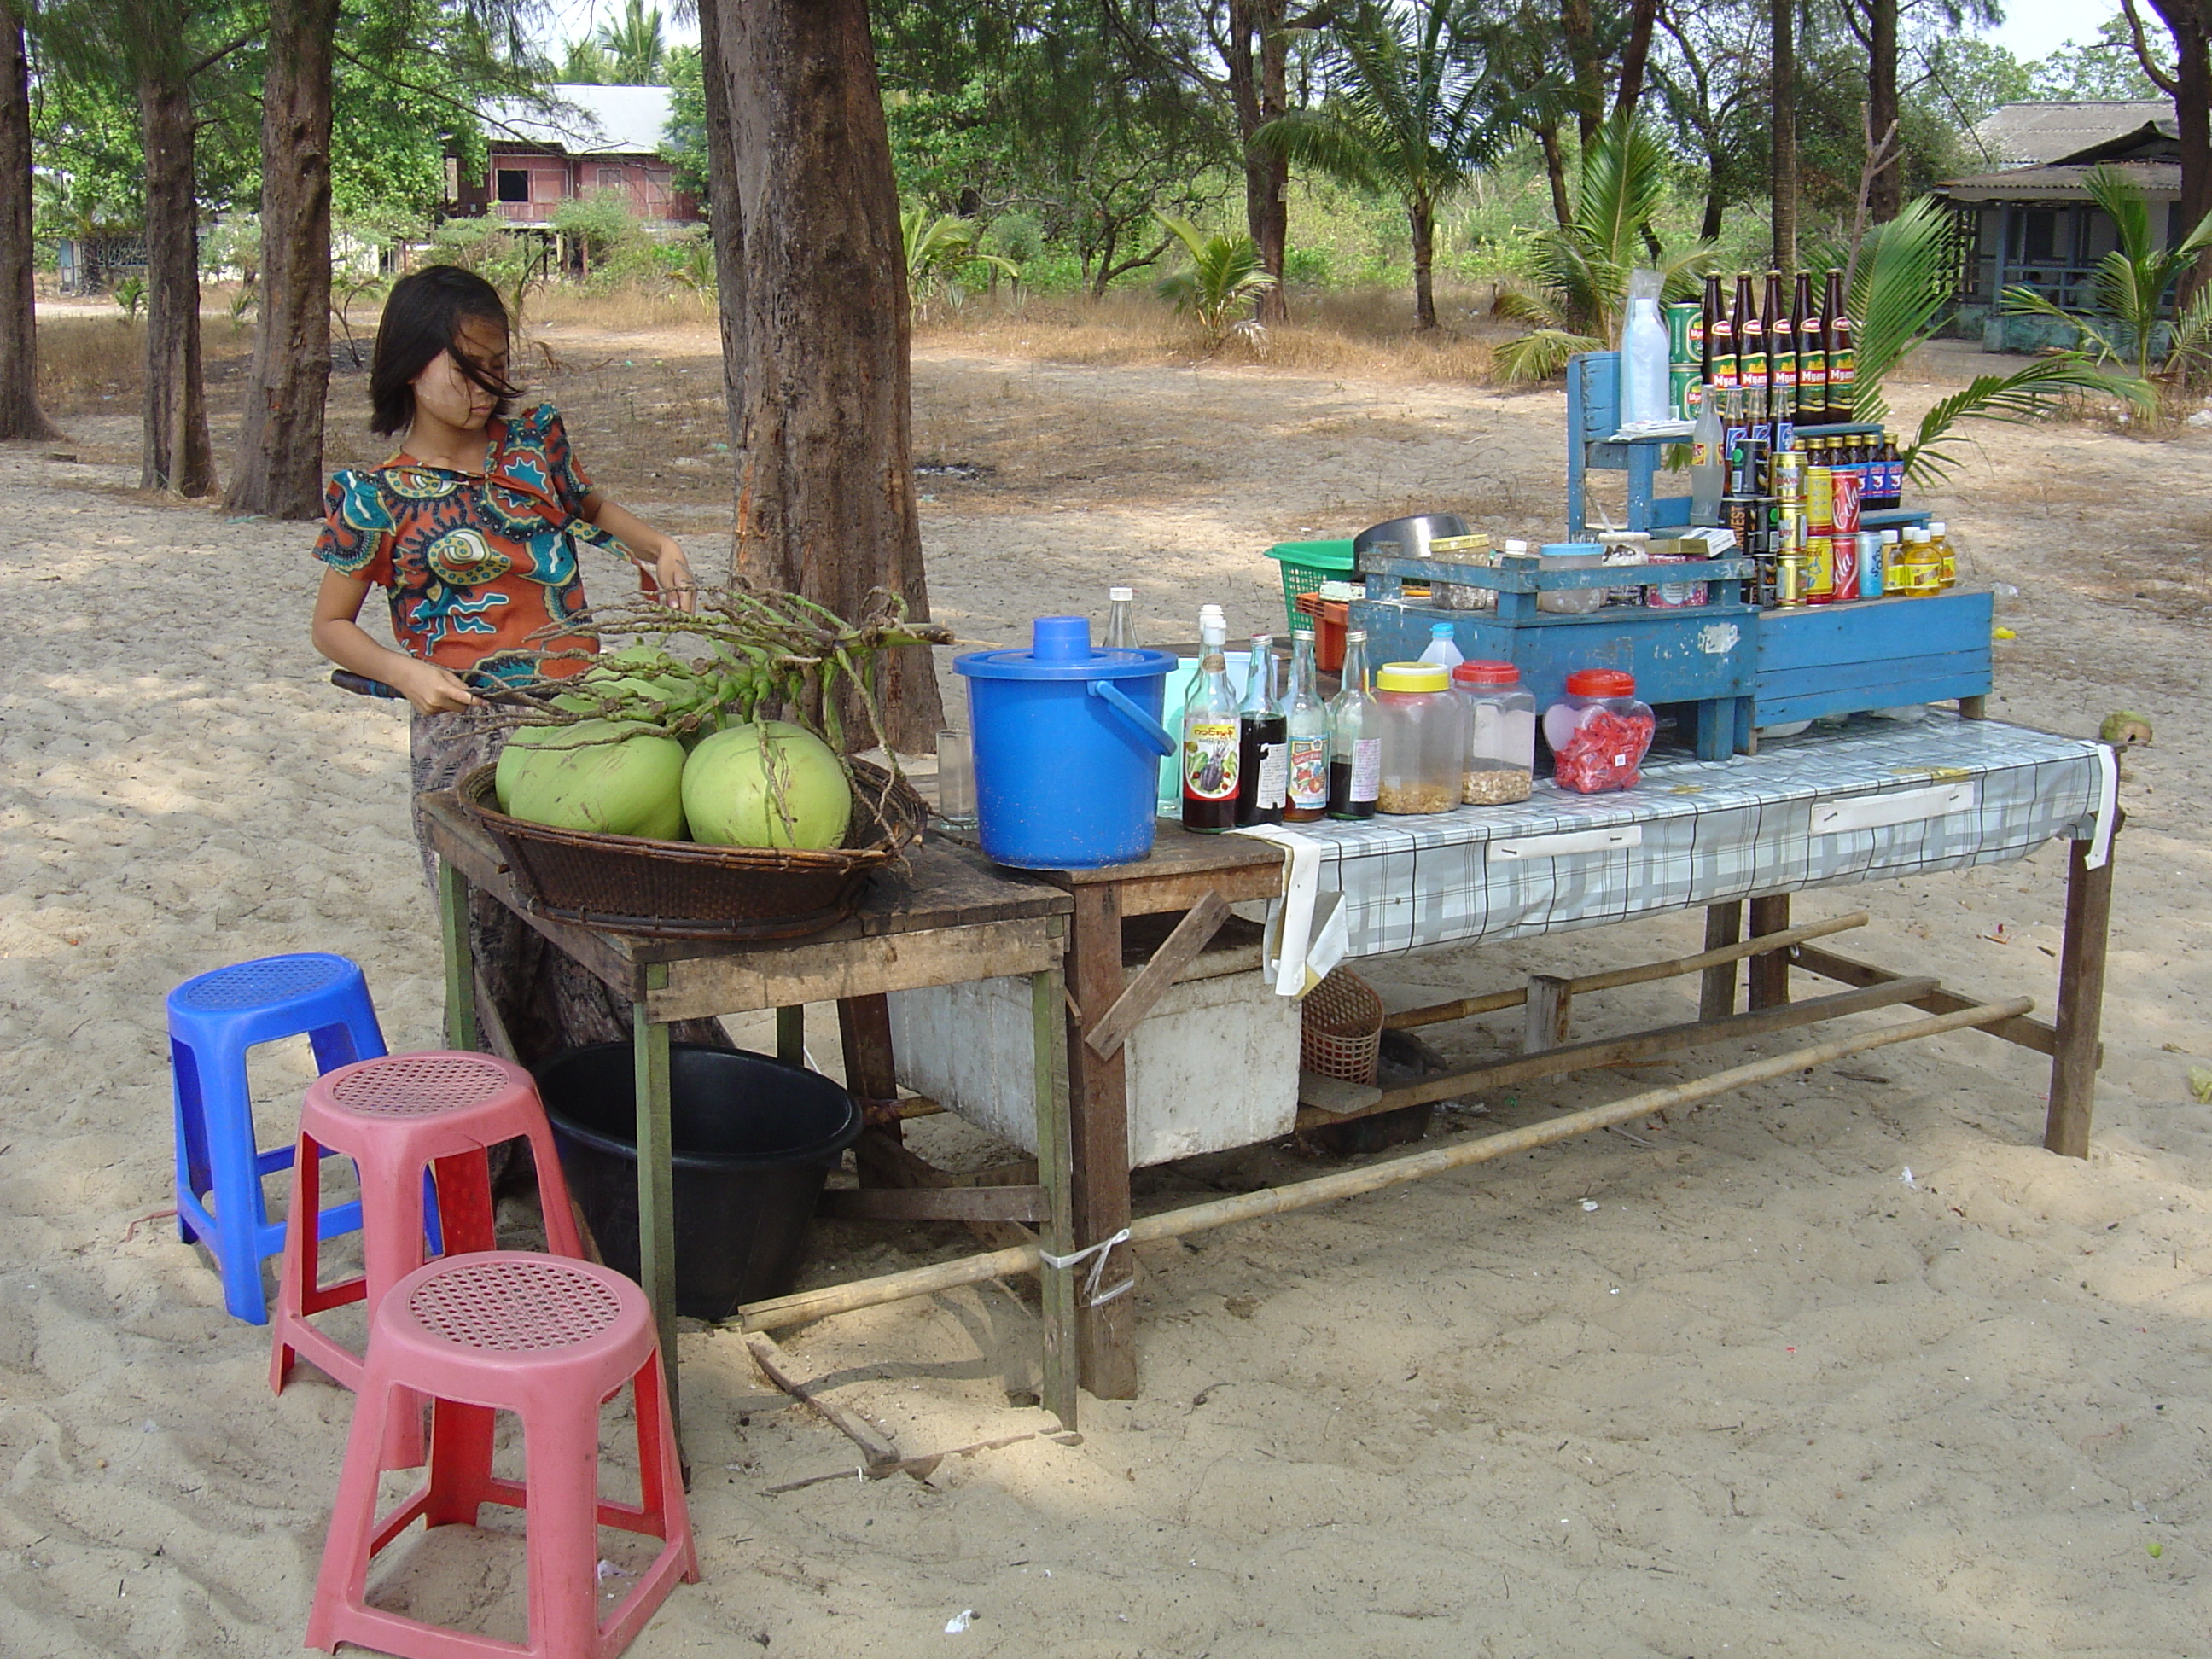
x=213, y=1020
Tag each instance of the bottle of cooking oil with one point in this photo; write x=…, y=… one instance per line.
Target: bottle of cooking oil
x=1947, y=555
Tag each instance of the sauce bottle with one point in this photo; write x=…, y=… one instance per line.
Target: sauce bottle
x=1305, y=718
x=1355, y=739
x=1262, y=744
x=1209, y=737
x=1121, y=623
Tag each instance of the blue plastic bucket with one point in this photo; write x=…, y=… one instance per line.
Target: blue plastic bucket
x=1067, y=743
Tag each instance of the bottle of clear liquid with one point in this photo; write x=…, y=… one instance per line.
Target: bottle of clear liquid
x=1209, y=734
x=1355, y=739
x=1708, y=461
x=1643, y=353
x=1263, y=747
x=1121, y=622
x=1305, y=718
x=1442, y=647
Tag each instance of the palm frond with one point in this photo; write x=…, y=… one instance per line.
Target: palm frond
x=1515, y=305
x=2020, y=398
x=1543, y=355
x=1623, y=185
x=2090, y=335
x=1321, y=139
x=1899, y=289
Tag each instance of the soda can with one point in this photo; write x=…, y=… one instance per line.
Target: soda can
x=1682, y=391
x=1790, y=582
x=1820, y=570
x=1785, y=475
x=1871, y=575
x=1770, y=575
x=1844, y=492
x=1820, y=496
x=1744, y=516
x=1682, y=318
x=1789, y=536
x=1843, y=566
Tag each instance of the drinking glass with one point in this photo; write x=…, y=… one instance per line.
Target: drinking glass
x=956, y=780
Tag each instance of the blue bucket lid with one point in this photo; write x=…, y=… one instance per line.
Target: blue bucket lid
x=1060, y=649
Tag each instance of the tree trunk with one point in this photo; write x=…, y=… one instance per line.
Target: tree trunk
x=1886, y=199
x=726, y=223
x=279, y=470
x=178, y=454
x=1708, y=230
x=825, y=483
x=1257, y=63
x=1421, y=215
x=1636, y=55
x=20, y=414
x=1555, y=170
x=2190, y=21
x=1782, y=174
x=1585, y=62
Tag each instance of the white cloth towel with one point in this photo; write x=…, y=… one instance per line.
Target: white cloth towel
x=1307, y=931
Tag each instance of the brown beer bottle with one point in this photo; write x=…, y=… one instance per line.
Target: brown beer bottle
x=1781, y=353
x=1750, y=348
x=1812, y=356
x=1842, y=360
x=1720, y=359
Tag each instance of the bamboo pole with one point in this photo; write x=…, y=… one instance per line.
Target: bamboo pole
x=1490, y=1002
x=807, y=1305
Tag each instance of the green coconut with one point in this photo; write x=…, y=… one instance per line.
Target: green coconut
x=768, y=785
x=599, y=775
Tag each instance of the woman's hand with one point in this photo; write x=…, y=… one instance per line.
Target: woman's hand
x=429, y=688
x=673, y=580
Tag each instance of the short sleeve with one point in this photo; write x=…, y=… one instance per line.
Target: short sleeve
x=355, y=539
x=570, y=483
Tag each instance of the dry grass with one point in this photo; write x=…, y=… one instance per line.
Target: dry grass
x=616, y=312
x=1365, y=332
x=96, y=365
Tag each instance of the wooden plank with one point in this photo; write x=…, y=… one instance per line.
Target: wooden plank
x=1098, y=1106
x=2020, y=1030
x=1551, y=1005
x=2080, y=1003
x=460, y=962
x=1335, y=1097
x=1640, y=1045
x=1716, y=991
x=1770, y=969
x=1869, y=630
x=1192, y=934
x=775, y=1363
x=791, y=1035
x=1849, y=699
x=1050, y=1087
x=933, y=1203
x=656, y=1181
x=1178, y=853
x=804, y=971
x=1869, y=673
x=1153, y=896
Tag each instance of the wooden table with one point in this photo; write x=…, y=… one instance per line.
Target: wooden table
x=958, y=918
x=1185, y=869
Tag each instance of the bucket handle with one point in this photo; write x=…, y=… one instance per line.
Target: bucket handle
x=1154, y=734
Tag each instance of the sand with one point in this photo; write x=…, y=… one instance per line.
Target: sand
x=1734, y=1385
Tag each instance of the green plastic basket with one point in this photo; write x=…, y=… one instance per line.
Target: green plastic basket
x=1306, y=565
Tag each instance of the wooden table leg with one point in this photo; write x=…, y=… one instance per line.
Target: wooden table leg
x=1550, y=1007
x=2080, y=1003
x=461, y=1030
x=1055, y=1173
x=791, y=1036
x=1770, y=972
x=1098, y=1145
x=656, y=1177
x=1717, y=992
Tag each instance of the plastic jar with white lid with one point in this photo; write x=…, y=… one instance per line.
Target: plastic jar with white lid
x=1424, y=733
x=1501, y=733
x=1599, y=732
x=1572, y=555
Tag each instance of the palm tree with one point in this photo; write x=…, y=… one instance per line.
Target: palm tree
x=636, y=52
x=1224, y=275
x=935, y=248
x=2126, y=323
x=1582, y=266
x=1899, y=294
x=1412, y=116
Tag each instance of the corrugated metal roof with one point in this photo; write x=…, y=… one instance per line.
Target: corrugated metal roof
x=2159, y=180
x=586, y=121
x=2022, y=134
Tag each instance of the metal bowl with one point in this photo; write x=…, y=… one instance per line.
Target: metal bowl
x=1412, y=535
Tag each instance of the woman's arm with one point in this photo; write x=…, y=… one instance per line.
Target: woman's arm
x=339, y=636
x=661, y=554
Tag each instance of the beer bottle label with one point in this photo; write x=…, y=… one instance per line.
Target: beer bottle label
x=1840, y=365
x=1785, y=370
x=1309, y=772
x=1754, y=356
x=1724, y=371
x=1811, y=366
x=1209, y=760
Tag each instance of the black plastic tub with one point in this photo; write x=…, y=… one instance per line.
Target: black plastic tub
x=754, y=1140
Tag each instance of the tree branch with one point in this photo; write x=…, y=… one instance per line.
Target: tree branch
x=2170, y=85
x=222, y=52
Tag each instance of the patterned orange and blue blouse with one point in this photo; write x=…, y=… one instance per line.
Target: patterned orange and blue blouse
x=482, y=568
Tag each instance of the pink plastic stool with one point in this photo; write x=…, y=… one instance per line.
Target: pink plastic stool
x=551, y=1341
x=395, y=1117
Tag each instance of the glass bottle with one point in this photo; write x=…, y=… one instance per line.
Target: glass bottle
x=1501, y=733
x=1209, y=736
x=1812, y=354
x=1781, y=356
x=1355, y=743
x=1707, y=465
x=1121, y=621
x=1842, y=359
x=1750, y=359
x=1718, y=358
x=1305, y=721
x=1263, y=760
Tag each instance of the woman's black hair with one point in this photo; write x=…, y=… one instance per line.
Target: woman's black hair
x=422, y=317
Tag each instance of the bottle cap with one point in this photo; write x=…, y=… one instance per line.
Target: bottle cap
x=1601, y=683
x=1120, y=595
x=1413, y=676
x=1486, y=673
x=1440, y=630
x=1888, y=538
x=1936, y=526
x=1303, y=631
x=1516, y=547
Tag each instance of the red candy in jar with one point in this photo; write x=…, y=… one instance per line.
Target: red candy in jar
x=1599, y=732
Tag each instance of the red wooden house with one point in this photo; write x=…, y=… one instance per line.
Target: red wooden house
x=594, y=138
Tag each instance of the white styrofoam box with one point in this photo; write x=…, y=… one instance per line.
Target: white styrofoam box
x=1215, y=1067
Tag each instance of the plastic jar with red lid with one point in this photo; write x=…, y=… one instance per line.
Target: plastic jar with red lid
x=1599, y=732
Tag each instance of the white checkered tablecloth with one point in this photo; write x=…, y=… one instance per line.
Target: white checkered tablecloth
x=1879, y=800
